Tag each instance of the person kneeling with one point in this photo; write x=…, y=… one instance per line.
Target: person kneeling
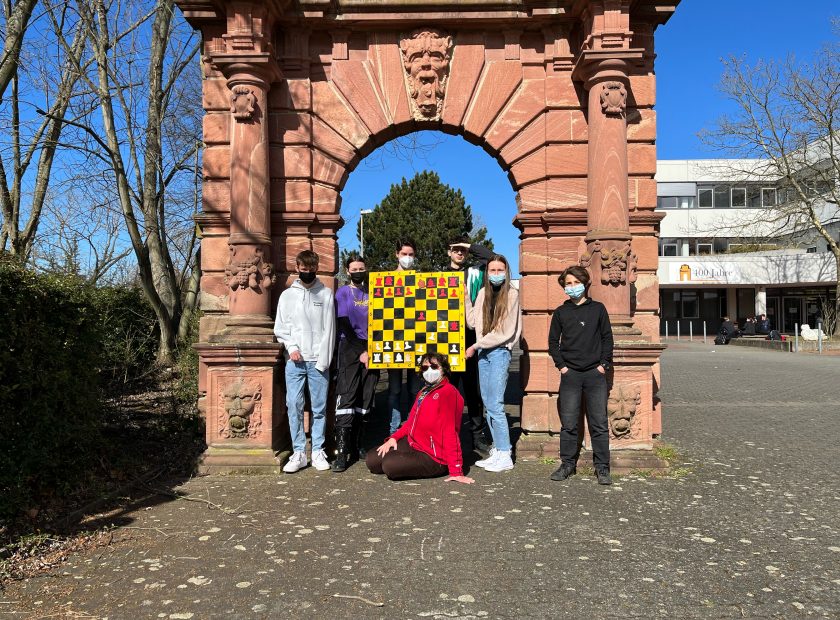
x=427, y=444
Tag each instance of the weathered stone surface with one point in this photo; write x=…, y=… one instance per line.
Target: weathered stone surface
x=527, y=104
x=216, y=128
x=215, y=196
x=216, y=162
x=496, y=85
x=566, y=160
x=331, y=108
x=641, y=125
x=641, y=159
x=466, y=66
x=290, y=128
x=354, y=80
x=389, y=71
x=215, y=95
x=566, y=126
x=528, y=140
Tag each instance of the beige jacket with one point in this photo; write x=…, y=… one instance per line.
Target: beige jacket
x=511, y=330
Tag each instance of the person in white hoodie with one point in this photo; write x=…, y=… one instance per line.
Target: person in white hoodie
x=305, y=326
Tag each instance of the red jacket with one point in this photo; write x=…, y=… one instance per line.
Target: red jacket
x=433, y=426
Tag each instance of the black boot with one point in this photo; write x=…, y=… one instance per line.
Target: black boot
x=342, y=454
x=358, y=437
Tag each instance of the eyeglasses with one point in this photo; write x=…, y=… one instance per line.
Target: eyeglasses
x=434, y=365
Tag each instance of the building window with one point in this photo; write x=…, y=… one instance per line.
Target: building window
x=811, y=250
x=666, y=202
x=686, y=202
x=768, y=196
x=739, y=197
x=669, y=249
x=689, y=305
x=704, y=249
x=722, y=197
x=754, y=197
x=705, y=198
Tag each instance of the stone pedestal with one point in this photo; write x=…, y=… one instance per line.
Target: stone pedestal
x=241, y=396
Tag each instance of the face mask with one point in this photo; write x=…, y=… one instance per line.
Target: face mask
x=497, y=279
x=406, y=262
x=307, y=277
x=359, y=277
x=576, y=291
x=431, y=375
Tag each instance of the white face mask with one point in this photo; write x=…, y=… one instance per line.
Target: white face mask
x=432, y=375
x=406, y=262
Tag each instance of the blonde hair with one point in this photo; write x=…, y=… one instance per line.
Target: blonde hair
x=496, y=317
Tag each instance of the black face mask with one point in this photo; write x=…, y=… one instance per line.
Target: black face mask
x=359, y=277
x=307, y=277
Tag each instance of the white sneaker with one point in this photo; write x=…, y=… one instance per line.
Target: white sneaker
x=490, y=458
x=295, y=463
x=319, y=461
x=503, y=462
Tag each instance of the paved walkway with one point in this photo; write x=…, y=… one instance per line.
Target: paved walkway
x=751, y=529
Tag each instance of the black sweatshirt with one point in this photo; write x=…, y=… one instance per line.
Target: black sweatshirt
x=580, y=336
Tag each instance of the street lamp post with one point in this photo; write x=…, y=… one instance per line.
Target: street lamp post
x=362, y=215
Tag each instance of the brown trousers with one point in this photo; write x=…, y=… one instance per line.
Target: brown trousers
x=405, y=462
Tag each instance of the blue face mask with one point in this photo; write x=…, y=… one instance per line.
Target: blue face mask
x=576, y=291
x=497, y=279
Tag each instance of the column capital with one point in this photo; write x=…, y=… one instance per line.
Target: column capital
x=596, y=66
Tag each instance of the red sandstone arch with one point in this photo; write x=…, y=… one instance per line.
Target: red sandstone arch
x=562, y=97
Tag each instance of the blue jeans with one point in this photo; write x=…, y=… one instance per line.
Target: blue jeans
x=296, y=375
x=493, y=366
x=395, y=391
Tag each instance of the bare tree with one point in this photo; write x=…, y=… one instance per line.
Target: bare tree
x=31, y=136
x=146, y=135
x=787, y=120
x=17, y=17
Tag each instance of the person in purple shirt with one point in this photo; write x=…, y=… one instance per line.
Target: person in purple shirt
x=356, y=382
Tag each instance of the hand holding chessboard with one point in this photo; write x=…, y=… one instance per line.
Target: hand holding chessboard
x=410, y=313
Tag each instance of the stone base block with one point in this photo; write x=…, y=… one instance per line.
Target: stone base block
x=234, y=459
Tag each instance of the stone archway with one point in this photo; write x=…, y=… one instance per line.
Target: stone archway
x=295, y=96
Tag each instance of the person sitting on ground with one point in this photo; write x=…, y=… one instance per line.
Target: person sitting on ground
x=728, y=328
x=427, y=444
x=749, y=326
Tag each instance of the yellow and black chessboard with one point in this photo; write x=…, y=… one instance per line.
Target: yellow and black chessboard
x=412, y=312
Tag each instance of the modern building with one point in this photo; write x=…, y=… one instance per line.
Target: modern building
x=725, y=250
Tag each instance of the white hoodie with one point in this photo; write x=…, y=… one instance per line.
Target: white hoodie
x=306, y=322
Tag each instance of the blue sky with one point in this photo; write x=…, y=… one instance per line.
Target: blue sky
x=689, y=49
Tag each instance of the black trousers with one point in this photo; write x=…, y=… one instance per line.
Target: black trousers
x=474, y=420
x=404, y=463
x=355, y=387
x=575, y=386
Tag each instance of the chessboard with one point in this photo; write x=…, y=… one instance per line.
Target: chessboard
x=410, y=313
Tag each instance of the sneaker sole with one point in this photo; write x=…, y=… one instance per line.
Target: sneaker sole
x=496, y=471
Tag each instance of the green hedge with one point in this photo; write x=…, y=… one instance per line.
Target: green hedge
x=61, y=342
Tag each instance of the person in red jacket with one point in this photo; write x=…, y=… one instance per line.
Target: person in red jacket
x=427, y=444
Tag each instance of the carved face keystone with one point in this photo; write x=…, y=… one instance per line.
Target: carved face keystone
x=426, y=55
x=621, y=409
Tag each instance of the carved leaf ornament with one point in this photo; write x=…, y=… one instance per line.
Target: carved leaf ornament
x=251, y=272
x=242, y=103
x=617, y=261
x=613, y=98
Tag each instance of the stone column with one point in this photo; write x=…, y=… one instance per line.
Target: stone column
x=609, y=254
x=250, y=273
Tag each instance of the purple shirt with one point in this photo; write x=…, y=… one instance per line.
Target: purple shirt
x=353, y=303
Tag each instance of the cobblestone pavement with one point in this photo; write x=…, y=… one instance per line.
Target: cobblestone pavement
x=748, y=528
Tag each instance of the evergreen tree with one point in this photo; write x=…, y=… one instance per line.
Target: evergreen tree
x=426, y=210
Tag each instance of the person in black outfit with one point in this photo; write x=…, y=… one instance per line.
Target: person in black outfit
x=580, y=342
x=763, y=325
x=460, y=250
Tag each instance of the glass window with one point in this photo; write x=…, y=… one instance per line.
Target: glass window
x=739, y=196
x=704, y=249
x=669, y=249
x=666, y=202
x=768, y=196
x=686, y=202
x=722, y=197
x=705, y=197
x=753, y=197
x=811, y=250
x=689, y=305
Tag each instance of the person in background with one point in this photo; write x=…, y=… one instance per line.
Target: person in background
x=749, y=326
x=305, y=326
x=427, y=444
x=763, y=325
x=497, y=320
x=460, y=251
x=406, y=250
x=356, y=384
x=580, y=342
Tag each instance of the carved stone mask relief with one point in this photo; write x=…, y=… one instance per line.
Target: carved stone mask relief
x=426, y=54
x=240, y=400
x=621, y=410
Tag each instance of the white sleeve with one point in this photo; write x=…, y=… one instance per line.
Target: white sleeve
x=283, y=328
x=328, y=337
